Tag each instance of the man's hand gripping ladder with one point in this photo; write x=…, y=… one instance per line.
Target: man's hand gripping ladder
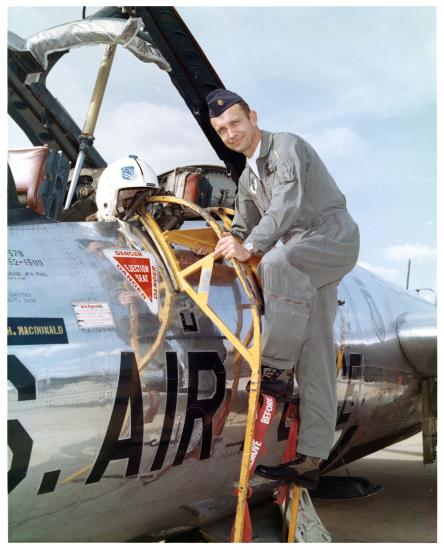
x=197, y=238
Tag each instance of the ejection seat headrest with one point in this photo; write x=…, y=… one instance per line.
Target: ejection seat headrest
x=28, y=168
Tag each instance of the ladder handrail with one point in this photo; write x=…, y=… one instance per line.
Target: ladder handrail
x=252, y=354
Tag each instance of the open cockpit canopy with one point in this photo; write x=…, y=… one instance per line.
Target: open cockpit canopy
x=155, y=34
x=90, y=32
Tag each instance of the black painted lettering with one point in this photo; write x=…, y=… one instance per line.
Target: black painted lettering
x=20, y=444
x=201, y=408
x=19, y=441
x=355, y=366
x=344, y=367
x=129, y=392
x=189, y=322
x=348, y=372
x=49, y=482
x=170, y=410
x=23, y=380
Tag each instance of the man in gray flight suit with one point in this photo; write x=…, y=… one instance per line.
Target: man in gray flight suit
x=289, y=209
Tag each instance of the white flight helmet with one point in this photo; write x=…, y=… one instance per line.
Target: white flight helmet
x=130, y=172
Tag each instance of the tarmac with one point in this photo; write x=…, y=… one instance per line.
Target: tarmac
x=404, y=510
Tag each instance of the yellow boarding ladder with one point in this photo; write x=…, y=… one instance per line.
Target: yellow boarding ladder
x=205, y=239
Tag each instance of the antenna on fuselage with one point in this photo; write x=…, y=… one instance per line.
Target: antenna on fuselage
x=110, y=31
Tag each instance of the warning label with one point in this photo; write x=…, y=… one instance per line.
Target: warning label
x=140, y=270
x=93, y=314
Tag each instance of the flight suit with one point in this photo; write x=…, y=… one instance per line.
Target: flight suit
x=297, y=218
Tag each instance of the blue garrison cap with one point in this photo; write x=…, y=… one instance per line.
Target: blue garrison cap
x=220, y=100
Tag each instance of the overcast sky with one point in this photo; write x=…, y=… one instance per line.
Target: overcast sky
x=358, y=83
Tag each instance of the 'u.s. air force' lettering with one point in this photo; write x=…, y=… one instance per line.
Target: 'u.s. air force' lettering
x=129, y=393
x=129, y=398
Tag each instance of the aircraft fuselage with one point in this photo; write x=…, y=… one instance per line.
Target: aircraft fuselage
x=127, y=416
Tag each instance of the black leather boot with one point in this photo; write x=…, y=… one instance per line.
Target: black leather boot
x=276, y=382
x=303, y=471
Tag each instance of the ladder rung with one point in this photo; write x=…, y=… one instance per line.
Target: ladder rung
x=196, y=240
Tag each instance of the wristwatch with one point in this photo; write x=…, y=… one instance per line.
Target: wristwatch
x=249, y=246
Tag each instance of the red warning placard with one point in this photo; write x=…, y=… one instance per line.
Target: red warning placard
x=140, y=270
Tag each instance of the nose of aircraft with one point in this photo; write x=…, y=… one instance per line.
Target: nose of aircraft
x=417, y=334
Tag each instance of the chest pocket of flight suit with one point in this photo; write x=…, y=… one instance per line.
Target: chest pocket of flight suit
x=277, y=172
x=280, y=171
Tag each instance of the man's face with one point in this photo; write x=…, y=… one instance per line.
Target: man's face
x=237, y=130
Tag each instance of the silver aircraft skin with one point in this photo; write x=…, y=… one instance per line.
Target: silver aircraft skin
x=115, y=433
x=127, y=406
